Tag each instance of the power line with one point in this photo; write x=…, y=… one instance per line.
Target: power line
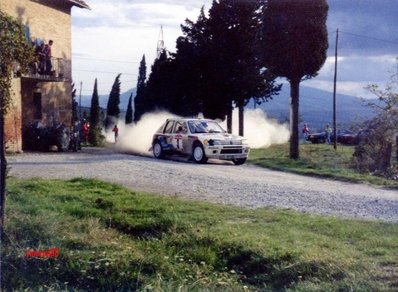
x=106, y=60
x=368, y=37
x=105, y=72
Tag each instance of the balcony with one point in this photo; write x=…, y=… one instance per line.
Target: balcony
x=60, y=71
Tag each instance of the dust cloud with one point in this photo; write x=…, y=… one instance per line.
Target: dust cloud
x=260, y=131
x=137, y=138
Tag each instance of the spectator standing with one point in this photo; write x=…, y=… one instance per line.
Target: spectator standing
x=116, y=131
x=306, y=131
x=41, y=56
x=48, y=56
x=85, y=130
x=328, y=133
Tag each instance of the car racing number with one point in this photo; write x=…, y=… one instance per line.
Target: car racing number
x=177, y=142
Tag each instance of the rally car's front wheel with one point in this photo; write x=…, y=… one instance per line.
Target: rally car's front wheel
x=198, y=154
x=239, y=161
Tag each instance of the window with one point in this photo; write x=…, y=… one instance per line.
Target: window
x=180, y=128
x=169, y=127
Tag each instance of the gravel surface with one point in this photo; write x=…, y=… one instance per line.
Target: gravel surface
x=218, y=182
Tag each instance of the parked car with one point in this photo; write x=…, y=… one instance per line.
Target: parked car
x=200, y=139
x=316, y=138
x=347, y=137
x=343, y=137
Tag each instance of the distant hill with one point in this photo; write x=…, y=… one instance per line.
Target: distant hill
x=316, y=107
x=103, y=99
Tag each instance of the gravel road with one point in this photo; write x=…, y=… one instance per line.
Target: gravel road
x=218, y=182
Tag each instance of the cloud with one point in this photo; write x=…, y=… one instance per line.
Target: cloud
x=359, y=68
x=364, y=26
x=124, y=30
x=139, y=14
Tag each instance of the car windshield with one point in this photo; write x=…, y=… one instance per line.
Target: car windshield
x=205, y=127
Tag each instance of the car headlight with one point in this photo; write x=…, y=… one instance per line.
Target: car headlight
x=214, y=142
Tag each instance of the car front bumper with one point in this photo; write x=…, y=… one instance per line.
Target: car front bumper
x=227, y=152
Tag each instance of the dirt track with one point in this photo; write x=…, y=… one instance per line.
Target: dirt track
x=246, y=185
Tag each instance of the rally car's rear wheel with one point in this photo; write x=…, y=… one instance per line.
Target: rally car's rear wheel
x=198, y=154
x=157, y=150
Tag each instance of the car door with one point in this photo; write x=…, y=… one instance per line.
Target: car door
x=180, y=136
x=168, y=133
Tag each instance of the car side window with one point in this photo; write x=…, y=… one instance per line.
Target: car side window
x=180, y=128
x=169, y=127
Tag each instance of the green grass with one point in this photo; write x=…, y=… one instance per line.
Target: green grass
x=111, y=238
x=317, y=160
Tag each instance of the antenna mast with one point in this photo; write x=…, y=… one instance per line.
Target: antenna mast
x=160, y=46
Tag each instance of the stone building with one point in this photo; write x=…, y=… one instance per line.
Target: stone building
x=43, y=94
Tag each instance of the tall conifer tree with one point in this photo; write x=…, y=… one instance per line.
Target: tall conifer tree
x=75, y=114
x=113, y=110
x=232, y=29
x=139, y=101
x=95, y=123
x=129, y=112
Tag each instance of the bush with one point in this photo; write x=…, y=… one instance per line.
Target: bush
x=374, y=150
x=95, y=137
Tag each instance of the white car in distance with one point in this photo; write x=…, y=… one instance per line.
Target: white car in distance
x=200, y=139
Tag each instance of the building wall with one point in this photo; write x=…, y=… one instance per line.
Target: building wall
x=47, y=20
x=13, y=120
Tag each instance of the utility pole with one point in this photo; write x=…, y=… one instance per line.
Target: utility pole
x=80, y=101
x=334, y=92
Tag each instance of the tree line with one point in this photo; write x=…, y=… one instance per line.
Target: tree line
x=233, y=55
x=229, y=57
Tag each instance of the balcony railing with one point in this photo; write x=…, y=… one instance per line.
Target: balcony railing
x=60, y=71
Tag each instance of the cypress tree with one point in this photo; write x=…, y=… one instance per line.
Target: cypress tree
x=218, y=59
x=139, y=101
x=129, y=113
x=75, y=116
x=95, y=123
x=157, y=90
x=113, y=110
x=232, y=28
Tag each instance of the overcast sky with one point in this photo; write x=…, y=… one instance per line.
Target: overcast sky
x=113, y=36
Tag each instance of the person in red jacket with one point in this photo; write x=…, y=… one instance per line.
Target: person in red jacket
x=306, y=131
x=116, y=131
x=85, y=129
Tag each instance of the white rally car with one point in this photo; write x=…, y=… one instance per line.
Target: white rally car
x=199, y=138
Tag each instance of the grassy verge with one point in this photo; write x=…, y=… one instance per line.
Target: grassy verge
x=111, y=238
x=318, y=160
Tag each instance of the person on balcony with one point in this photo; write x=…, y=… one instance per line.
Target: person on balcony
x=48, y=55
x=41, y=57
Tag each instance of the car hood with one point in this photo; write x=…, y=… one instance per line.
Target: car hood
x=220, y=136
